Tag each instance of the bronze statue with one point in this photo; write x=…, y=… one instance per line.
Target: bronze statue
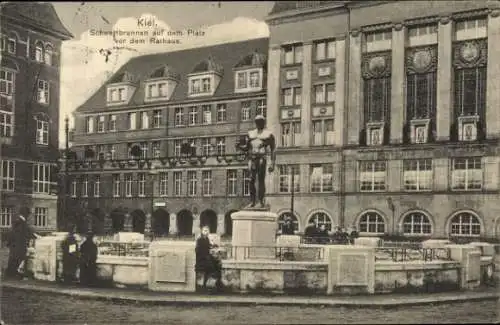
x=258, y=143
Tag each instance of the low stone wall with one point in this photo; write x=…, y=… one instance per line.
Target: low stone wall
x=267, y=276
x=122, y=271
x=415, y=277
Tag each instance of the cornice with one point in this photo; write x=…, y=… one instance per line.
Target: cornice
x=305, y=14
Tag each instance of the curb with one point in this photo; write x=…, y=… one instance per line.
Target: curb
x=153, y=298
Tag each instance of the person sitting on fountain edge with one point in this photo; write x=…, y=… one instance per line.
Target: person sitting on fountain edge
x=257, y=144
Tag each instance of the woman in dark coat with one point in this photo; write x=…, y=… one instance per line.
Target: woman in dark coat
x=206, y=263
x=88, y=261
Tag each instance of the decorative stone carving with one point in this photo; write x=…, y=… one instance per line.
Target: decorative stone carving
x=470, y=54
x=445, y=20
x=421, y=60
x=494, y=13
x=355, y=32
x=398, y=27
x=376, y=65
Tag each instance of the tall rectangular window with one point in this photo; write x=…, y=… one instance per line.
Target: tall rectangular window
x=163, y=184
x=89, y=124
x=262, y=107
x=324, y=93
x=206, y=146
x=7, y=87
x=179, y=116
x=43, y=92
x=421, y=94
x=101, y=123
x=323, y=132
x=116, y=185
x=193, y=115
x=221, y=146
x=467, y=173
x=131, y=121
x=377, y=99
x=144, y=150
x=470, y=91
x=177, y=147
x=144, y=120
x=74, y=187
x=246, y=182
x=322, y=178
x=128, y=185
x=6, y=215
x=141, y=184
x=155, y=148
x=85, y=186
x=192, y=183
x=41, y=178
x=42, y=132
x=207, y=186
x=232, y=182
x=292, y=54
x=246, y=110
x=372, y=176
x=287, y=182
x=290, y=134
x=178, y=183
x=207, y=114
x=97, y=186
x=157, y=114
x=221, y=113
x=112, y=123
x=112, y=151
x=41, y=217
x=8, y=175
x=417, y=175
x=291, y=96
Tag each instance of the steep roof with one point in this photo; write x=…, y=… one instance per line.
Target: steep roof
x=254, y=59
x=38, y=14
x=225, y=57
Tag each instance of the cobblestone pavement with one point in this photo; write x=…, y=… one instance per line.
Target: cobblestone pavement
x=21, y=307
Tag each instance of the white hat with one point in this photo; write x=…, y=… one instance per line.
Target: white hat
x=260, y=117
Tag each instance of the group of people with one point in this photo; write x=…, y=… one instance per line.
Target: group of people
x=79, y=257
x=319, y=234
x=75, y=254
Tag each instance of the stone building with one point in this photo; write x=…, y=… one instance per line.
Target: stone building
x=387, y=114
x=130, y=171
x=31, y=36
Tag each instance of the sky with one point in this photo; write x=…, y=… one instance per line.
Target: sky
x=84, y=69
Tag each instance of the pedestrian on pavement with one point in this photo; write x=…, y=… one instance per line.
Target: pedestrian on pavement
x=70, y=256
x=88, y=261
x=206, y=263
x=18, y=241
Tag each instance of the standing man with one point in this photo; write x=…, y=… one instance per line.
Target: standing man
x=19, y=238
x=258, y=143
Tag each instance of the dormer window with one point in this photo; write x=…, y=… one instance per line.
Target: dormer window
x=249, y=80
x=157, y=90
x=161, y=84
x=120, y=89
x=116, y=95
x=205, y=78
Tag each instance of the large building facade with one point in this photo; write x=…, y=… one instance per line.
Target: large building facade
x=387, y=114
x=132, y=171
x=31, y=36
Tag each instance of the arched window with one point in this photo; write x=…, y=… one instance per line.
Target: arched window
x=39, y=52
x=321, y=218
x=372, y=222
x=48, y=54
x=465, y=224
x=281, y=221
x=416, y=223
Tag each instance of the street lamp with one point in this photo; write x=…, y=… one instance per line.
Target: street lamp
x=152, y=175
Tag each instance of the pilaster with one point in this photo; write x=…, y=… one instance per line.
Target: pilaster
x=304, y=178
x=444, y=80
x=305, y=113
x=355, y=116
x=398, y=84
x=221, y=229
x=394, y=168
x=173, y=224
x=493, y=73
x=340, y=79
x=441, y=174
x=273, y=109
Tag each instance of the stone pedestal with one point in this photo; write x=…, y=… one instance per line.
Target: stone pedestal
x=254, y=234
x=470, y=259
x=45, y=264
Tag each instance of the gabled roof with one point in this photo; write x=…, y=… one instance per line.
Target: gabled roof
x=208, y=65
x=227, y=56
x=254, y=59
x=164, y=71
x=38, y=14
x=122, y=77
